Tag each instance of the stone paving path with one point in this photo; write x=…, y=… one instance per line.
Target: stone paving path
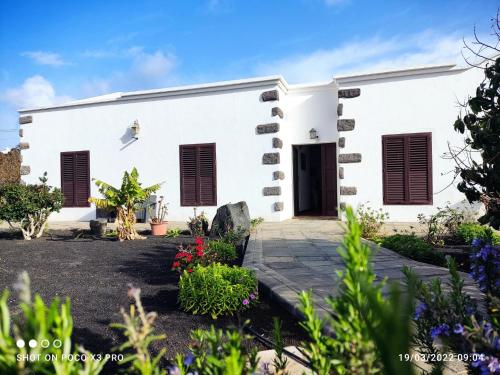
x=297, y=255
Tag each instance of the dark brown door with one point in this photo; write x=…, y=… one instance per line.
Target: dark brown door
x=329, y=179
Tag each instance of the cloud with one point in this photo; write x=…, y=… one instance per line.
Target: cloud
x=34, y=92
x=374, y=54
x=146, y=71
x=45, y=58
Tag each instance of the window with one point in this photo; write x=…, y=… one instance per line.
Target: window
x=75, y=178
x=407, y=168
x=198, y=175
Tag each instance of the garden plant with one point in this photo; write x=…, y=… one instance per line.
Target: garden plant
x=126, y=200
x=29, y=206
x=370, y=220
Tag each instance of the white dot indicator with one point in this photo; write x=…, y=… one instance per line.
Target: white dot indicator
x=32, y=343
x=20, y=343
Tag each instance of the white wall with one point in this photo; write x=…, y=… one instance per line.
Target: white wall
x=425, y=103
x=228, y=118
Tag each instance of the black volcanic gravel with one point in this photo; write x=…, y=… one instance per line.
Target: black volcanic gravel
x=94, y=274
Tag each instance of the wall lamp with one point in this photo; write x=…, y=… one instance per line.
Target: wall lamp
x=313, y=134
x=135, y=129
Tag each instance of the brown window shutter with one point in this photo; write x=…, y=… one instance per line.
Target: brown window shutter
x=75, y=178
x=407, y=168
x=420, y=169
x=393, y=169
x=198, y=175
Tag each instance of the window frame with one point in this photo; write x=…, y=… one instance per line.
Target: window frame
x=74, y=205
x=407, y=201
x=198, y=202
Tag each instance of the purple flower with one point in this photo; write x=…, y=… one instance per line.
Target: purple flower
x=174, y=370
x=494, y=365
x=458, y=329
x=420, y=309
x=188, y=359
x=440, y=330
x=246, y=301
x=476, y=242
x=252, y=296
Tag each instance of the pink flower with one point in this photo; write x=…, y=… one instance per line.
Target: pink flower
x=246, y=302
x=252, y=296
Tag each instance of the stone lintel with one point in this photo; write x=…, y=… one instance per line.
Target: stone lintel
x=348, y=190
x=276, y=111
x=271, y=190
x=271, y=158
x=350, y=158
x=345, y=125
x=273, y=127
x=25, y=119
x=349, y=93
x=270, y=95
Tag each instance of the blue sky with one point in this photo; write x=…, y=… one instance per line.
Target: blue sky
x=55, y=51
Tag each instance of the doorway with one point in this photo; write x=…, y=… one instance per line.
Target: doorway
x=315, y=180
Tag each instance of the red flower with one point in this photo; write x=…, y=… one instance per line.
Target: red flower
x=190, y=270
x=198, y=240
x=175, y=264
x=189, y=257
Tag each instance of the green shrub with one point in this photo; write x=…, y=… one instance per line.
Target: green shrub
x=217, y=290
x=222, y=252
x=467, y=232
x=414, y=248
x=370, y=220
x=29, y=206
x=218, y=352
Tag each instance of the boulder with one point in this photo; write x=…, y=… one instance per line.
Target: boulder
x=98, y=227
x=231, y=216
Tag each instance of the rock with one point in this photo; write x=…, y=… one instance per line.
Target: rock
x=98, y=227
x=233, y=217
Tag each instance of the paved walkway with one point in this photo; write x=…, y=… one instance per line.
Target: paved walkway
x=297, y=255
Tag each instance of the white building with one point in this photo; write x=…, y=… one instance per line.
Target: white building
x=253, y=140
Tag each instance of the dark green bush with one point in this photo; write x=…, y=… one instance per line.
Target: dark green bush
x=217, y=290
x=414, y=248
x=222, y=252
x=467, y=232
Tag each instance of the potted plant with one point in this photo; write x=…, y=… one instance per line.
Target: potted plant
x=198, y=225
x=158, y=223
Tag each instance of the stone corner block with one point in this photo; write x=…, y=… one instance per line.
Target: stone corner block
x=270, y=95
x=350, y=158
x=278, y=175
x=271, y=158
x=24, y=145
x=271, y=190
x=349, y=93
x=342, y=206
x=25, y=170
x=276, y=111
x=25, y=119
x=21, y=133
x=344, y=125
x=341, y=173
x=277, y=143
x=348, y=190
x=273, y=127
x=340, y=109
x=342, y=142
x=278, y=206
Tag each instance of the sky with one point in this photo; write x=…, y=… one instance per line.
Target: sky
x=57, y=51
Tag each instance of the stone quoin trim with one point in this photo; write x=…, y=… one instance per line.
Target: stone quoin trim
x=276, y=111
x=20, y=133
x=341, y=173
x=273, y=127
x=277, y=143
x=342, y=142
x=340, y=108
x=349, y=93
x=24, y=145
x=348, y=190
x=270, y=95
x=342, y=206
x=278, y=175
x=345, y=125
x=25, y=120
x=278, y=206
x=350, y=158
x=271, y=190
x=271, y=158
x=25, y=170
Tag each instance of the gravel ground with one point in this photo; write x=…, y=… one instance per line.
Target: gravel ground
x=94, y=274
